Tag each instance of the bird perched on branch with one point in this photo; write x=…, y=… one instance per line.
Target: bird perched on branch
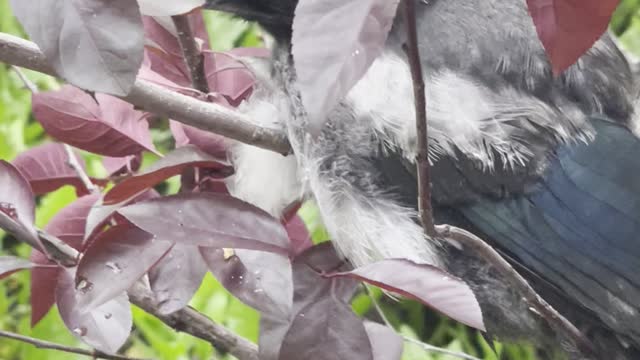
x=547, y=169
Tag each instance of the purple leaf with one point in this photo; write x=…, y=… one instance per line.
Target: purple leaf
x=385, y=343
x=311, y=289
x=47, y=169
x=43, y=286
x=100, y=213
x=105, y=328
x=259, y=279
x=171, y=165
x=427, y=284
x=111, y=127
x=326, y=69
x=323, y=329
x=210, y=143
x=94, y=44
x=210, y=220
x=114, y=261
x=298, y=234
x=11, y=264
x=228, y=76
x=117, y=166
x=176, y=277
x=17, y=208
x=568, y=28
x=69, y=223
x=168, y=8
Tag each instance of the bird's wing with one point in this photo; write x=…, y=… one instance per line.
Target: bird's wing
x=580, y=226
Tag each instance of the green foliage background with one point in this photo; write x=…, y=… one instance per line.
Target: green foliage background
x=151, y=338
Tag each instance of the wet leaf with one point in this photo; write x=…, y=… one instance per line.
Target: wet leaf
x=114, y=261
x=105, y=328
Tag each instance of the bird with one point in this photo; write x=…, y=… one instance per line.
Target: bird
x=545, y=168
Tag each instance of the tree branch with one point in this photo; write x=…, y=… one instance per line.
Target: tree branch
x=470, y=242
x=477, y=246
x=53, y=346
x=422, y=155
x=72, y=162
x=192, y=55
x=187, y=320
x=161, y=101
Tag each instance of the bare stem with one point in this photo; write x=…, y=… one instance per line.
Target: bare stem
x=425, y=346
x=473, y=244
x=25, y=80
x=74, y=164
x=192, y=55
x=187, y=320
x=161, y=101
x=53, y=346
x=422, y=155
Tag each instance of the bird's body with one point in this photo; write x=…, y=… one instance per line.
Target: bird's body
x=546, y=169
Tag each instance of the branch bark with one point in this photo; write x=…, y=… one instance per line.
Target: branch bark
x=469, y=241
x=187, y=320
x=192, y=55
x=68, y=349
x=422, y=156
x=158, y=100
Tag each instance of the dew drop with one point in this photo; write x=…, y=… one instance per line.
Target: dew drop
x=83, y=285
x=114, y=267
x=80, y=331
x=258, y=291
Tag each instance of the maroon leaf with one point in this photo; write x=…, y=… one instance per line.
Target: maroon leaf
x=43, y=285
x=94, y=44
x=114, y=261
x=105, y=328
x=210, y=143
x=100, y=213
x=209, y=219
x=171, y=165
x=385, y=343
x=111, y=127
x=323, y=329
x=312, y=289
x=11, y=264
x=298, y=234
x=176, y=277
x=69, y=224
x=326, y=69
x=117, y=166
x=228, y=76
x=568, y=28
x=46, y=167
x=259, y=279
x=17, y=208
x=425, y=283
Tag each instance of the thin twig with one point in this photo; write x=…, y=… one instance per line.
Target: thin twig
x=187, y=320
x=425, y=346
x=431, y=348
x=74, y=164
x=163, y=102
x=422, y=154
x=377, y=306
x=53, y=346
x=473, y=244
x=25, y=80
x=192, y=55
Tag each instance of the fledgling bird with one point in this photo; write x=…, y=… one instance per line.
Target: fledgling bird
x=546, y=169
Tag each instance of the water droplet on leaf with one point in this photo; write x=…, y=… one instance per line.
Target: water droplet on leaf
x=83, y=285
x=114, y=267
x=80, y=331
